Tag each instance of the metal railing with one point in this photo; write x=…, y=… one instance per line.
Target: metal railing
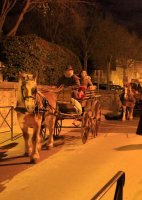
x=5, y=120
x=119, y=177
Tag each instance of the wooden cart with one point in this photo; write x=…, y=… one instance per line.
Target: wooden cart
x=88, y=121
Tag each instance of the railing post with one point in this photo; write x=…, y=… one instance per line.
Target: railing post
x=119, y=188
x=8, y=122
x=12, y=108
x=119, y=177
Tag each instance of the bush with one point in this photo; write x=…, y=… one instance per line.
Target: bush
x=31, y=53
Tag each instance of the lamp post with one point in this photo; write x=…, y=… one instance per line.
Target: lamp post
x=109, y=59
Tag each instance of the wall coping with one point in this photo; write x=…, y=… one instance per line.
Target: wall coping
x=8, y=85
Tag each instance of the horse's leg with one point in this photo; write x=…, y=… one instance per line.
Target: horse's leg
x=128, y=113
x=26, y=135
x=131, y=113
x=51, y=123
x=36, y=144
x=28, y=145
x=124, y=113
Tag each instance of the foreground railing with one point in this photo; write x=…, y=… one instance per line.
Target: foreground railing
x=4, y=118
x=119, y=177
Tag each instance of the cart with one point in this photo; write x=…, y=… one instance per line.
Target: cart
x=88, y=121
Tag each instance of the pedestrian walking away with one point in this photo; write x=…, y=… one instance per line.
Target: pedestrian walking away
x=139, y=128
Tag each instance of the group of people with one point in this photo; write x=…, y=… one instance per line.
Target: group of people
x=79, y=83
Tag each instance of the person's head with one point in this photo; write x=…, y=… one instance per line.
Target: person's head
x=83, y=73
x=69, y=71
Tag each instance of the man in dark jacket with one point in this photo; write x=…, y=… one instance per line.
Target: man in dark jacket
x=69, y=78
x=139, y=127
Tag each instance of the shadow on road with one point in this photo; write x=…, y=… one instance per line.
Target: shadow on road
x=11, y=165
x=130, y=147
x=9, y=146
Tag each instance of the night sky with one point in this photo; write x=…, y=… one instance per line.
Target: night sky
x=126, y=12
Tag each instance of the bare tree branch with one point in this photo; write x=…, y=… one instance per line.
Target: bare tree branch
x=14, y=29
x=6, y=7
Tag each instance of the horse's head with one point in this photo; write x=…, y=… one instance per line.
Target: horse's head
x=28, y=89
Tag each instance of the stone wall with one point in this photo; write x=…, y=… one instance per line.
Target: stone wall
x=8, y=117
x=8, y=92
x=110, y=100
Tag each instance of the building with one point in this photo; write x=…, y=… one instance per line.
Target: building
x=133, y=72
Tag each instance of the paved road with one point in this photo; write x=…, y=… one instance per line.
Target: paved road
x=73, y=170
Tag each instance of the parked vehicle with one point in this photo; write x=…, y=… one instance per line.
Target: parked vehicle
x=104, y=86
x=116, y=88
x=101, y=86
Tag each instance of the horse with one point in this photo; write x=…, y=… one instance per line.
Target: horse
x=31, y=114
x=128, y=101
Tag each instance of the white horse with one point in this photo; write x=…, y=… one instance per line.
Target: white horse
x=30, y=114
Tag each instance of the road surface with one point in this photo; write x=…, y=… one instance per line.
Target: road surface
x=76, y=171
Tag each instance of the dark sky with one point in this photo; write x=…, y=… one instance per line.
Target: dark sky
x=126, y=12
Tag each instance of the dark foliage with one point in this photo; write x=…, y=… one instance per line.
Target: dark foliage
x=31, y=53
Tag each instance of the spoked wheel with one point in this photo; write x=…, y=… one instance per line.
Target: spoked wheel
x=95, y=121
x=95, y=127
x=57, y=127
x=85, y=128
x=98, y=111
x=84, y=134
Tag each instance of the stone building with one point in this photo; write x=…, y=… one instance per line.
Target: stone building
x=121, y=74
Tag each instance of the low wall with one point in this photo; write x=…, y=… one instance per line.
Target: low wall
x=8, y=117
x=110, y=100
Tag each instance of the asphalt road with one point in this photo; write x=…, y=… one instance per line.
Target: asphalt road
x=12, y=162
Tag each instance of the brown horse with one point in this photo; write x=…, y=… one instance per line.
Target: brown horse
x=30, y=114
x=128, y=101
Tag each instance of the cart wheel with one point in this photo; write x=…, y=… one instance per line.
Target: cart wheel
x=95, y=121
x=57, y=127
x=43, y=133
x=95, y=127
x=84, y=134
x=85, y=128
x=98, y=111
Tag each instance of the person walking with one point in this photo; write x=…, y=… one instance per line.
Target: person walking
x=139, y=127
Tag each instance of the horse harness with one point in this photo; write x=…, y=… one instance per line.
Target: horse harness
x=41, y=103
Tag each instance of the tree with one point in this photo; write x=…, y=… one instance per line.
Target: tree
x=67, y=24
x=5, y=7
x=72, y=25
x=43, y=6
x=26, y=5
x=113, y=40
